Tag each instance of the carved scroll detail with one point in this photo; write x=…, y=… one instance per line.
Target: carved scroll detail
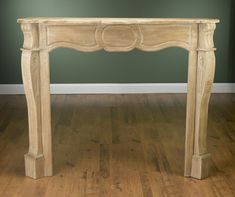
x=205, y=76
x=31, y=36
x=80, y=37
x=119, y=37
x=156, y=37
x=206, y=34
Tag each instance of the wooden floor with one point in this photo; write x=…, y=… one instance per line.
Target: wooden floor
x=119, y=146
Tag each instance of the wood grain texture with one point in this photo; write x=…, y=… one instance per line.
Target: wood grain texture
x=120, y=37
x=191, y=102
x=31, y=76
x=35, y=72
x=190, y=121
x=114, y=20
x=205, y=77
x=41, y=35
x=120, y=34
x=146, y=160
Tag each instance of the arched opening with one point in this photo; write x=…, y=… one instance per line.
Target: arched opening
x=165, y=66
x=89, y=130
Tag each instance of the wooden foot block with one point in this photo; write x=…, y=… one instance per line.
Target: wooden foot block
x=34, y=166
x=200, y=166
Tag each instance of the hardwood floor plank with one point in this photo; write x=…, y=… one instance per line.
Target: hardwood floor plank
x=125, y=177
x=117, y=146
x=104, y=171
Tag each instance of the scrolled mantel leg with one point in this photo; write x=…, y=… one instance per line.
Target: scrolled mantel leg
x=204, y=80
x=205, y=76
x=190, y=113
x=35, y=72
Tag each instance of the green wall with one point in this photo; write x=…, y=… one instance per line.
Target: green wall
x=69, y=66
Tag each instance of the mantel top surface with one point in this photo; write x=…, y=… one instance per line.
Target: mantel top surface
x=60, y=20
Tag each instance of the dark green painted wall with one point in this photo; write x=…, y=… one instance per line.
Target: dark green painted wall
x=69, y=66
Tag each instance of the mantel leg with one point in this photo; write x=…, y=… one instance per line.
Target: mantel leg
x=205, y=77
x=190, y=113
x=35, y=72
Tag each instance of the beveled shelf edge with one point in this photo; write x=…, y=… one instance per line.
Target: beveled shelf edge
x=61, y=20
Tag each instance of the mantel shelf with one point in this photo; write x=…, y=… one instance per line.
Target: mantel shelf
x=59, y=20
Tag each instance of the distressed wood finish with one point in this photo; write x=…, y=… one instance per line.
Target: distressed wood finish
x=41, y=35
x=35, y=70
x=117, y=145
x=205, y=76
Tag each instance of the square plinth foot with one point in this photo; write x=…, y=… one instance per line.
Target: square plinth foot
x=34, y=166
x=200, y=166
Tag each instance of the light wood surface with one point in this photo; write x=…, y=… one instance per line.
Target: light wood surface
x=118, y=145
x=63, y=20
x=41, y=35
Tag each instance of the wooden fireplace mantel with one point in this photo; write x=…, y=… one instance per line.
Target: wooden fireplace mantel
x=41, y=35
